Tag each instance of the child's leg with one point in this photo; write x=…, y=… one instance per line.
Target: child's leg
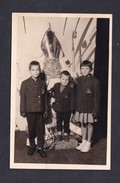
x=84, y=131
x=66, y=126
x=59, y=126
x=31, y=128
x=66, y=123
x=87, y=146
x=90, y=132
x=40, y=134
x=59, y=122
x=84, y=136
x=40, y=130
x=31, y=132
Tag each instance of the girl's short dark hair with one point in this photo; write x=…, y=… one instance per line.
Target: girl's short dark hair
x=66, y=73
x=86, y=63
x=34, y=63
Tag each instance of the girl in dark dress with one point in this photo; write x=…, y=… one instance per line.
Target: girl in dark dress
x=87, y=104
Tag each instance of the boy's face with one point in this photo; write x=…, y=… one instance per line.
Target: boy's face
x=35, y=71
x=64, y=80
x=85, y=70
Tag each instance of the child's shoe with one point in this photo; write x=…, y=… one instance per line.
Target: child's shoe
x=81, y=145
x=87, y=147
x=59, y=138
x=41, y=152
x=66, y=138
x=31, y=150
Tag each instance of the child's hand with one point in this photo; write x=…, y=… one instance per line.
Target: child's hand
x=23, y=114
x=51, y=93
x=45, y=115
x=52, y=101
x=95, y=116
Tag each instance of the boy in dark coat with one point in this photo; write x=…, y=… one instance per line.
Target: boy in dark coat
x=64, y=105
x=87, y=104
x=33, y=106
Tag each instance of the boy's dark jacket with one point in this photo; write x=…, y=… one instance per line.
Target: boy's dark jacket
x=88, y=95
x=33, y=96
x=65, y=100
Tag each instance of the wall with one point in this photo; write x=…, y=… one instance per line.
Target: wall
x=30, y=31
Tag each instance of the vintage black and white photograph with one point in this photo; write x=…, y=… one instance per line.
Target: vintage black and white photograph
x=61, y=91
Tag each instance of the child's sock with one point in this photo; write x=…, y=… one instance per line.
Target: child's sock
x=83, y=141
x=65, y=134
x=59, y=133
x=66, y=137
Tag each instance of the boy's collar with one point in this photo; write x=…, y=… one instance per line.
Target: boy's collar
x=88, y=75
x=34, y=79
x=62, y=85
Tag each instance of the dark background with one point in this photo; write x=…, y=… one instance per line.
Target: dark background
x=101, y=72
x=54, y=6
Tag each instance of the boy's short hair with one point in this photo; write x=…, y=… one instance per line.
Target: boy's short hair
x=86, y=63
x=66, y=73
x=34, y=63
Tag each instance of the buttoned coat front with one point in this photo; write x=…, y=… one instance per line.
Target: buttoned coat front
x=88, y=95
x=65, y=100
x=33, y=96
